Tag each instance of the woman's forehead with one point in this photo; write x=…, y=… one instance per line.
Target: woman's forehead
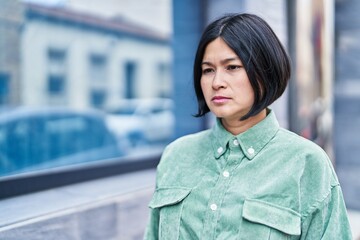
x=218, y=49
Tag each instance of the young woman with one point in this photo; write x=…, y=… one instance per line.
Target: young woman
x=246, y=178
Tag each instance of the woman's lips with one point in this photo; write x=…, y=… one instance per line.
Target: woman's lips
x=220, y=99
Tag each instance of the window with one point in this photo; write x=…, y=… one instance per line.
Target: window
x=56, y=85
x=4, y=88
x=164, y=80
x=98, y=79
x=62, y=72
x=130, y=77
x=56, y=56
x=57, y=71
x=97, y=68
x=98, y=98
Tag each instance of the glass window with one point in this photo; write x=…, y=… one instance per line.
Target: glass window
x=56, y=56
x=98, y=98
x=164, y=76
x=4, y=88
x=130, y=74
x=56, y=85
x=62, y=90
x=97, y=68
x=56, y=76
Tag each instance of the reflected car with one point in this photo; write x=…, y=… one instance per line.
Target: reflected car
x=142, y=121
x=40, y=138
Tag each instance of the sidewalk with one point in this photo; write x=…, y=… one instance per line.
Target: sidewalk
x=354, y=218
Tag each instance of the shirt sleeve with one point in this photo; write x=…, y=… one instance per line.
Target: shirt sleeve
x=152, y=228
x=329, y=220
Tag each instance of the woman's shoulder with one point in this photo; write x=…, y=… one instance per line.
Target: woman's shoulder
x=309, y=157
x=188, y=145
x=194, y=140
x=313, y=162
x=183, y=153
x=317, y=176
x=300, y=145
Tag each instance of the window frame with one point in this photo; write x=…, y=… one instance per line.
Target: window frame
x=20, y=184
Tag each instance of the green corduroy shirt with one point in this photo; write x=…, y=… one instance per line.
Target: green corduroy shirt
x=265, y=183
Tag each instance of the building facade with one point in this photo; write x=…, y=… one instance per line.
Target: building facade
x=81, y=60
x=347, y=99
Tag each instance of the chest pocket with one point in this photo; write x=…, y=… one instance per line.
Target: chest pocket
x=169, y=201
x=262, y=220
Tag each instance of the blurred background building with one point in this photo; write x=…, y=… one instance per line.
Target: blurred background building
x=85, y=60
x=11, y=15
x=105, y=55
x=346, y=93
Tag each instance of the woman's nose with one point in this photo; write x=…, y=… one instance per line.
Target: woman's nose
x=218, y=80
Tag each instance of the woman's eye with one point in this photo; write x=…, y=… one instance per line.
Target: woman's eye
x=207, y=70
x=232, y=67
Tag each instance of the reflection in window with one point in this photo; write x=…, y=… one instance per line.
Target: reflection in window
x=97, y=68
x=130, y=71
x=70, y=58
x=164, y=80
x=98, y=97
x=36, y=139
x=56, y=85
x=56, y=57
x=98, y=79
x=4, y=89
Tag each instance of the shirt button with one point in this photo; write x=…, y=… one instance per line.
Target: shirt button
x=226, y=174
x=220, y=150
x=251, y=151
x=236, y=142
x=213, y=207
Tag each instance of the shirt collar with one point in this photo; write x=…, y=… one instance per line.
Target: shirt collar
x=251, y=141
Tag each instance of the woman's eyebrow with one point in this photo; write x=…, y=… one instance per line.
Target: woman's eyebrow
x=224, y=61
x=207, y=63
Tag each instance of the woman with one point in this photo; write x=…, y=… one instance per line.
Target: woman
x=246, y=178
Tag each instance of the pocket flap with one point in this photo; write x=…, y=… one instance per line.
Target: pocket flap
x=283, y=219
x=168, y=196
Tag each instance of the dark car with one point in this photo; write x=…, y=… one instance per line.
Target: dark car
x=32, y=138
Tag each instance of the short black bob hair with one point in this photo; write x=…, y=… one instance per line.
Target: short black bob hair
x=262, y=54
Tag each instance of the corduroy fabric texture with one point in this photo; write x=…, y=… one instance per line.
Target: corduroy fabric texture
x=266, y=183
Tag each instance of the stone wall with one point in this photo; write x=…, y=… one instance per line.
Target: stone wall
x=105, y=209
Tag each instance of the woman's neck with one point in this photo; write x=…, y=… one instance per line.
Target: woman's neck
x=235, y=126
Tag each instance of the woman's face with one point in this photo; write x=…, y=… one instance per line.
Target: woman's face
x=224, y=82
